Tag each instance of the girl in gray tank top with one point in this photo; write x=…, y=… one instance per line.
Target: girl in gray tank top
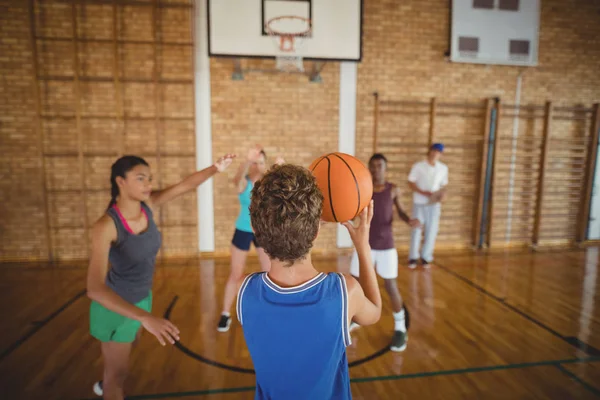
x=132, y=256
x=125, y=242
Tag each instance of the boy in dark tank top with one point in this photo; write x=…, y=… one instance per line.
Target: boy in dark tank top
x=386, y=196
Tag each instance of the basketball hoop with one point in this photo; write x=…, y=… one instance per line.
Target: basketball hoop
x=288, y=33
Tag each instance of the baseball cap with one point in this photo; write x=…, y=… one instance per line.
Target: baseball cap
x=437, y=147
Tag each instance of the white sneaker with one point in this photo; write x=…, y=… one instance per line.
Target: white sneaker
x=399, y=341
x=224, y=323
x=98, y=389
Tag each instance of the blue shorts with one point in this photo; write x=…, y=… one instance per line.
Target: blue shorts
x=242, y=240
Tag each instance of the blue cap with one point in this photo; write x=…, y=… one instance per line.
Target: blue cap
x=437, y=147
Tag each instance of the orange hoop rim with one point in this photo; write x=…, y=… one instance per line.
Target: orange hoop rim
x=274, y=32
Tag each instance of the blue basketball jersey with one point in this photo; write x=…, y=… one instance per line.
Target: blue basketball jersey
x=297, y=336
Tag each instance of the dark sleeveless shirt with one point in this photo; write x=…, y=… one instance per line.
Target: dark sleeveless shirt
x=381, y=236
x=132, y=258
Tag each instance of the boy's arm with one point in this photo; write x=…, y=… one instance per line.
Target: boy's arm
x=364, y=298
x=396, y=194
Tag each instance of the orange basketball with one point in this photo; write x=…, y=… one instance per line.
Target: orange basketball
x=345, y=183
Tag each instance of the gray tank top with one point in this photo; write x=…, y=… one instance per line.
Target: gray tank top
x=132, y=257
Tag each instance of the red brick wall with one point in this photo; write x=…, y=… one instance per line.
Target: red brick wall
x=403, y=49
x=404, y=45
x=133, y=94
x=403, y=58
x=286, y=114
x=22, y=224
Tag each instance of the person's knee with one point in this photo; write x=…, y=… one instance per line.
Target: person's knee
x=237, y=270
x=236, y=275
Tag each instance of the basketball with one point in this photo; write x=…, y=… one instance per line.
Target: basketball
x=346, y=185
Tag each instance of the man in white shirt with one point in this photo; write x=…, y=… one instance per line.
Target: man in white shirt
x=428, y=180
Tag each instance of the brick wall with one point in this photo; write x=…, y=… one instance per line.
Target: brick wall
x=403, y=58
x=125, y=87
x=21, y=199
x=403, y=49
x=286, y=114
x=404, y=44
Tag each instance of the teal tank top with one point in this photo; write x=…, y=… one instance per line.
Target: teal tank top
x=243, y=221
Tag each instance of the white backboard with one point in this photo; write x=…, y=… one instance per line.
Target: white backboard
x=237, y=28
x=495, y=31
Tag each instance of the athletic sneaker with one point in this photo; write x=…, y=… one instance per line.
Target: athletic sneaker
x=224, y=323
x=412, y=264
x=399, y=341
x=425, y=263
x=98, y=389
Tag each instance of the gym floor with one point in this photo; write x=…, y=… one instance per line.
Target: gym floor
x=507, y=325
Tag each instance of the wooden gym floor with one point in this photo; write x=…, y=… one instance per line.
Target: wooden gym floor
x=502, y=326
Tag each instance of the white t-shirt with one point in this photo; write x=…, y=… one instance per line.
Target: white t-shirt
x=429, y=178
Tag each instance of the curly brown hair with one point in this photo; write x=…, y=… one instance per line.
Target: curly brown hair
x=286, y=211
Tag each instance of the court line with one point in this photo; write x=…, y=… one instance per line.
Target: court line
x=242, y=370
x=514, y=253
x=590, y=350
x=197, y=356
x=378, y=378
x=40, y=324
x=583, y=346
x=583, y=383
x=371, y=357
x=475, y=369
x=191, y=393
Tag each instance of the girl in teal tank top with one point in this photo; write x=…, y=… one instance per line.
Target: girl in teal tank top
x=248, y=173
x=243, y=220
x=127, y=238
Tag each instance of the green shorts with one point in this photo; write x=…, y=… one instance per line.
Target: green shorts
x=108, y=326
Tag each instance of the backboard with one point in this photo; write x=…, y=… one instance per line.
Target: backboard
x=237, y=28
x=495, y=31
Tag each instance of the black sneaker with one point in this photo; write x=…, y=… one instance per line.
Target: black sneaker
x=412, y=264
x=425, y=263
x=98, y=391
x=399, y=341
x=224, y=323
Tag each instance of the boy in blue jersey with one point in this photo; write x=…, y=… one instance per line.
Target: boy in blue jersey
x=295, y=318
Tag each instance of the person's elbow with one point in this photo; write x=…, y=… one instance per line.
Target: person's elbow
x=92, y=294
x=95, y=291
x=371, y=317
x=376, y=316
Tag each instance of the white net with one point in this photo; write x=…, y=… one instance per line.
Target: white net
x=289, y=63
